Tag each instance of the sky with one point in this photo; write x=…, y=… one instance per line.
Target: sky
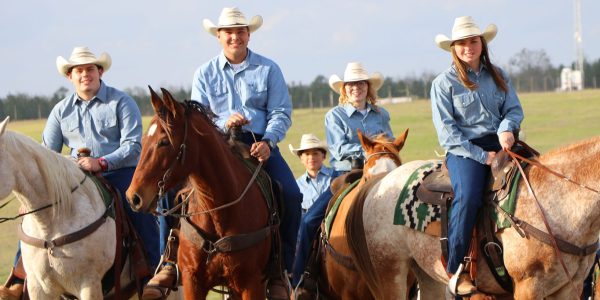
x=161, y=43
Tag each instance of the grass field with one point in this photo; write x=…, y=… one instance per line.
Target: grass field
x=551, y=120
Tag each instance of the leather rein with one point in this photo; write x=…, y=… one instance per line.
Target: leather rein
x=549, y=238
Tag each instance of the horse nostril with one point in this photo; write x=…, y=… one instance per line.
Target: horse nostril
x=136, y=202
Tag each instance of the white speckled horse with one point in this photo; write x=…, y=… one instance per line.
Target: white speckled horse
x=572, y=211
x=40, y=177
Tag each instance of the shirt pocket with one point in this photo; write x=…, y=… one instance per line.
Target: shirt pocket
x=218, y=96
x=107, y=126
x=465, y=108
x=69, y=127
x=257, y=94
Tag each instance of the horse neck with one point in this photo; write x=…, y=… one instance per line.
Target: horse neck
x=572, y=205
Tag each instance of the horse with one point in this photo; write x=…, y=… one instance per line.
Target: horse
x=60, y=200
x=382, y=155
x=184, y=146
x=386, y=252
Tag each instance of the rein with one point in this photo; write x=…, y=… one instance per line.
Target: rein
x=4, y=219
x=374, y=154
x=181, y=158
x=552, y=238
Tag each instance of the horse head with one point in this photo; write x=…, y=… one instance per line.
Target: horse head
x=382, y=154
x=163, y=160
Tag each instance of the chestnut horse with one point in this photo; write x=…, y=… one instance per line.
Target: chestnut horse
x=343, y=280
x=182, y=145
x=571, y=211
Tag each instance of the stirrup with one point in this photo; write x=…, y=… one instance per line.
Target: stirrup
x=277, y=287
x=453, y=283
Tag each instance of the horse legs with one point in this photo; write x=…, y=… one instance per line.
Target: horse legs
x=429, y=288
x=36, y=292
x=91, y=290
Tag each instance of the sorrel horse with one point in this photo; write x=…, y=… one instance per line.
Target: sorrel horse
x=66, y=202
x=572, y=212
x=183, y=145
x=343, y=280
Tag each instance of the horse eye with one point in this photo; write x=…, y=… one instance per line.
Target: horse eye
x=163, y=142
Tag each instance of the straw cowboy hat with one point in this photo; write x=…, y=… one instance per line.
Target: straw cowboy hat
x=232, y=17
x=82, y=56
x=465, y=27
x=356, y=72
x=309, y=141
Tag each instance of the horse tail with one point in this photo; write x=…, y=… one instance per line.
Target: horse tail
x=355, y=233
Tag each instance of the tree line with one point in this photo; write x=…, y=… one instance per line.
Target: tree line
x=529, y=71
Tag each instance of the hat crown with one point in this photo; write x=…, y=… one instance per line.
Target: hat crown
x=355, y=71
x=309, y=140
x=464, y=27
x=232, y=16
x=82, y=54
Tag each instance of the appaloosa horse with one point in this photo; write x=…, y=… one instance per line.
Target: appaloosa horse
x=225, y=204
x=60, y=200
x=342, y=279
x=572, y=212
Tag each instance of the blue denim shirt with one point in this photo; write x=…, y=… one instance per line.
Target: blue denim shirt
x=341, y=123
x=312, y=188
x=257, y=90
x=110, y=125
x=461, y=115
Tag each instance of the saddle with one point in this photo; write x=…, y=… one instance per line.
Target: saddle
x=436, y=189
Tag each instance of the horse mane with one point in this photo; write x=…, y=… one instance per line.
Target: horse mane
x=60, y=174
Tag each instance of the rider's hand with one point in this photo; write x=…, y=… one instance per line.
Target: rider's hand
x=260, y=150
x=507, y=139
x=89, y=164
x=235, y=120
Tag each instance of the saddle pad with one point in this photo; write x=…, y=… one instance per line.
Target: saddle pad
x=508, y=204
x=333, y=212
x=104, y=192
x=412, y=212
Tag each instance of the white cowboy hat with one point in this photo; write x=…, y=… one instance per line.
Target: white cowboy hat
x=309, y=141
x=465, y=27
x=232, y=17
x=356, y=72
x=82, y=56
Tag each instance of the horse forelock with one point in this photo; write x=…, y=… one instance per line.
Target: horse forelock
x=60, y=174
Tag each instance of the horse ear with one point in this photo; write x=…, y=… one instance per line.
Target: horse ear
x=366, y=142
x=3, y=125
x=169, y=100
x=157, y=103
x=399, y=142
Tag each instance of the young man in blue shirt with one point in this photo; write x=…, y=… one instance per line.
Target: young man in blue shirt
x=246, y=89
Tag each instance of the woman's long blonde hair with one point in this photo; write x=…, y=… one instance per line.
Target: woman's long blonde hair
x=462, y=68
x=371, y=95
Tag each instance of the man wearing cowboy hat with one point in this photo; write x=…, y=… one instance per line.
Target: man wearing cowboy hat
x=316, y=179
x=106, y=121
x=246, y=89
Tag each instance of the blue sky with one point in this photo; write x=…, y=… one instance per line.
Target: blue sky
x=161, y=43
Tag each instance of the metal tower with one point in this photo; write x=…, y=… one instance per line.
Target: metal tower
x=578, y=40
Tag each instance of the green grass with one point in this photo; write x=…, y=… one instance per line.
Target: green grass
x=551, y=120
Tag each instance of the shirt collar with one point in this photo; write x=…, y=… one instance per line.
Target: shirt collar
x=350, y=109
x=324, y=170
x=222, y=60
x=101, y=95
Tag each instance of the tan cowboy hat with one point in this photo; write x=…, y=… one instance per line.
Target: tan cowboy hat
x=465, y=27
x=232, y=17
x=82, y=56
x=356, y=72
x=309, y=141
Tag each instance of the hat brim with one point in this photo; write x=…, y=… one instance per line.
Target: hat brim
x=445, y=42
x=296, y=152
x=254, y=24
x=63, y=65
x=375, y=80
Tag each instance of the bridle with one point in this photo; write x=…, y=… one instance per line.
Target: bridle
x=180, y=158
x=387, y=146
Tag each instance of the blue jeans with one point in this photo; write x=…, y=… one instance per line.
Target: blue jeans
x=308, y=230
x=468, y=179
x=165, y=224
x=587, y=283
x=146, y=225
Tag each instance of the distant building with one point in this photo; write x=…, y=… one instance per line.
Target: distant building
x=394, y=100
x=570, y=80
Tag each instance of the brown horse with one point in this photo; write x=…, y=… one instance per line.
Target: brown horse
x=572, y=211
x=343, y=281
x=183, y=144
